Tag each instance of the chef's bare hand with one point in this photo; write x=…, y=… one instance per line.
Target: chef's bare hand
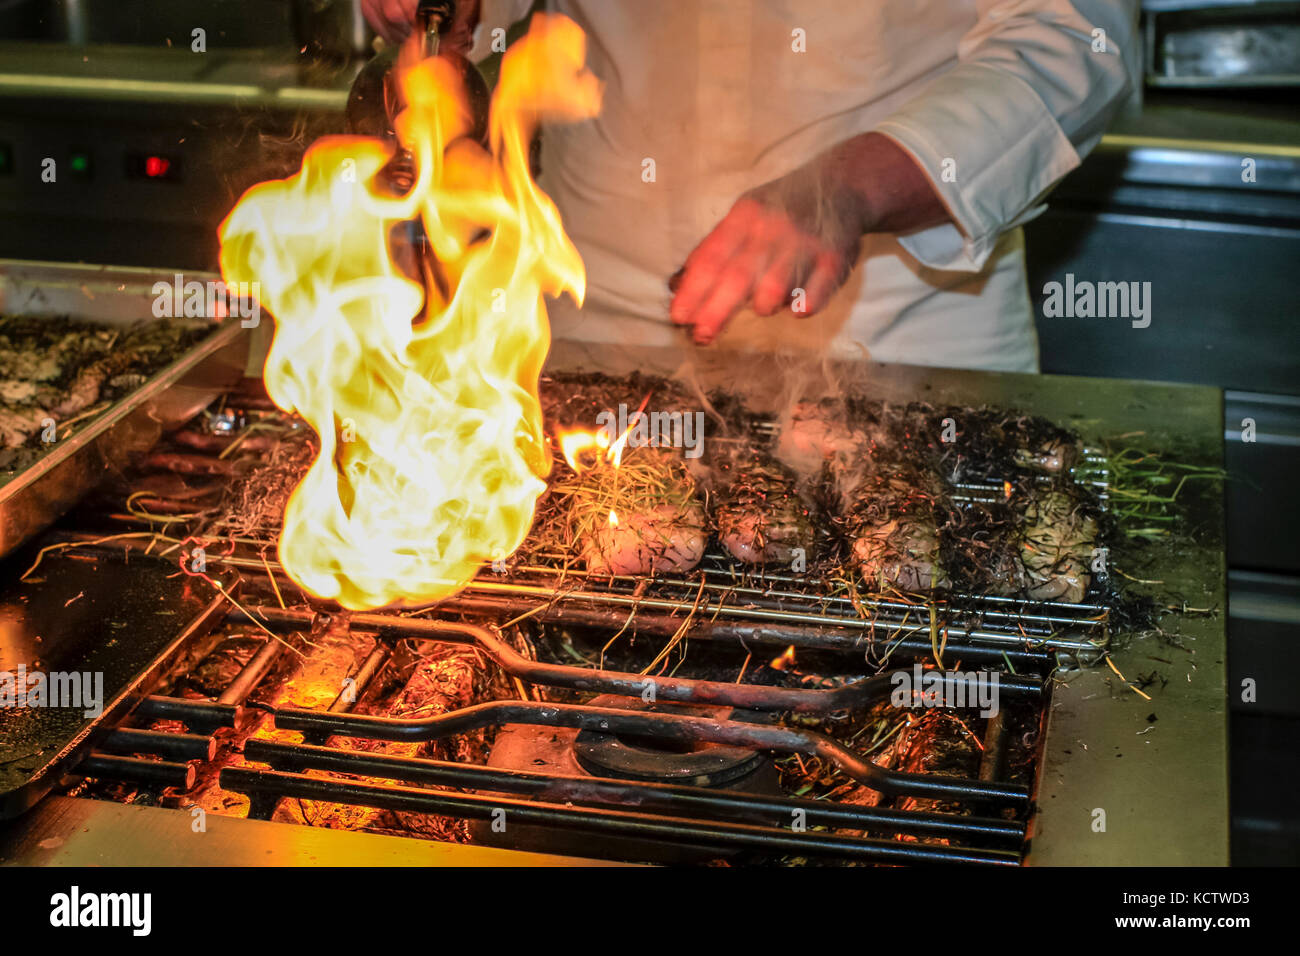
x=767, y=251
x=393, y=19
x=794, y=241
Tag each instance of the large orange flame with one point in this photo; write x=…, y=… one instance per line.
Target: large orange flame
x=432, y=452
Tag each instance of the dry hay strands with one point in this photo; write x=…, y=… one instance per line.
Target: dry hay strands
x=1149, y=492
x=639, y=517
x=964, y=443
x=254, y=504
x=995, y=444
x=578, y=399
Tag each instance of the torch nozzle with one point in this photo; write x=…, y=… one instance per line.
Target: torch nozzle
x=430, y=17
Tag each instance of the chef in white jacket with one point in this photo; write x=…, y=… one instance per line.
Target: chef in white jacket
x=838, y=175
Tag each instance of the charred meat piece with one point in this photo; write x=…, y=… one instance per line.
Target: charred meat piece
x=18, y=424
x=670, y=538
x=893, y=533
x=881, y=489
x=760, y=516
x=1004, y=574
x=43, y=350
x=86, y=387
x=818, y=432
x=640, y=517
x=1054, y=456
x=903, y=552
x=1056, y=548
x=993, y=445
x=1039, y=548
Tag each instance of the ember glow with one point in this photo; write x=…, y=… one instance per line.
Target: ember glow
x=423, y=395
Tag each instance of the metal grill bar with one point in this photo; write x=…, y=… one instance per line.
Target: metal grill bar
x=1036, y=630
x=170, y=746
x=1087, y=644
x=670, y=727
x=857, y=695
x=877, y=644
x=1028, y=612
x=600, y=820
x=656, y=796
x=152, y=773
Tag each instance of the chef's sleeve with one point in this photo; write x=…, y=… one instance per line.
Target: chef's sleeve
x=1035, y=84
x=496, y=17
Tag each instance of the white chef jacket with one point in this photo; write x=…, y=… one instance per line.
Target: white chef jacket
x=705, y=99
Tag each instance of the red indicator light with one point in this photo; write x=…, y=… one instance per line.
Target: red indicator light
x=156, y=167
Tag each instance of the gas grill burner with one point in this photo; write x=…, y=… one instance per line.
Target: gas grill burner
x=698, y=763
x=594, y=755
x=587, y=752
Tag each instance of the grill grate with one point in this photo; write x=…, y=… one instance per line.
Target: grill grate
x=719, y=601
x=690, y=818
x=720, y=591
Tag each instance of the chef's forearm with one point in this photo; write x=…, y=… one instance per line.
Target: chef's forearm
x=894, y=192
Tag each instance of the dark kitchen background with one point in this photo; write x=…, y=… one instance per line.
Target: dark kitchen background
x=1196, y=189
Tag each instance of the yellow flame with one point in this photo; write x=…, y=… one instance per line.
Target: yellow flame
x=575, y=442
x=615, y=453
x=574, y=445
x=784, y=662
x=423, y=395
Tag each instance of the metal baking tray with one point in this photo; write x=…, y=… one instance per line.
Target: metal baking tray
x=118, y=625
x=1222, y=44
x=34, y=497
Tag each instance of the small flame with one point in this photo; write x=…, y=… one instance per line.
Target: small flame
x=574, y=443
x=423, y=395
x=615, y=453
x=613, y=518
x=785, y=662
x=587, y=450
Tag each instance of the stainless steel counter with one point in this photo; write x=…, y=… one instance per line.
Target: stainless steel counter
x=66, y=831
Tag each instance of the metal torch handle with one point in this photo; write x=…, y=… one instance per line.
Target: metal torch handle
x=431, y=16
